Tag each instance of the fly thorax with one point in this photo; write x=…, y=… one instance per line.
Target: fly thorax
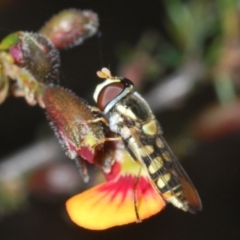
x=114, y=120
x=116, y=124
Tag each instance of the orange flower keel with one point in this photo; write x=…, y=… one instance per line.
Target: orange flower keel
x=112, y=203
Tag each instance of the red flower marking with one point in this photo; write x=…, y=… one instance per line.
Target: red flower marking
x=112, y=203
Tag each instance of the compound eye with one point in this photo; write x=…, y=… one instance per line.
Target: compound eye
x=108, y=93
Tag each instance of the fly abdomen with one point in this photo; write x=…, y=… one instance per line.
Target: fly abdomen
x=167, y=182
x=171, y=190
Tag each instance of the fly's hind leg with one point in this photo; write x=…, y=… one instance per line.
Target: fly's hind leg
x=138, y=220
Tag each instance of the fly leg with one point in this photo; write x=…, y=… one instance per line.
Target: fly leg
x=135, y=197
x=113, y=139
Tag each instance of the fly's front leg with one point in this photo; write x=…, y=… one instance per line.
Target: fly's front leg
x=99, y=117
x=95, y=110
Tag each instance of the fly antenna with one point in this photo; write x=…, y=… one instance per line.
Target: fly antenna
x=105, y=73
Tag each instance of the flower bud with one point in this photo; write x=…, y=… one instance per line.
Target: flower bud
x=70, y=27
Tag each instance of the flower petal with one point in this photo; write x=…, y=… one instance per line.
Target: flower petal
x=112, y=203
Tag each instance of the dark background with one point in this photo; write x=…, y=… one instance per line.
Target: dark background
x=213, y=166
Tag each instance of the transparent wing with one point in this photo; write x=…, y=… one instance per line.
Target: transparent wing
x=165, y=170
x=189, y=190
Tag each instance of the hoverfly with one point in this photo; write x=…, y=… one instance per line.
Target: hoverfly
x=130, y=117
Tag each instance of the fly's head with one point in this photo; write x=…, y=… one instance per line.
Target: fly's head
x=110, y=92
x=128, y=109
